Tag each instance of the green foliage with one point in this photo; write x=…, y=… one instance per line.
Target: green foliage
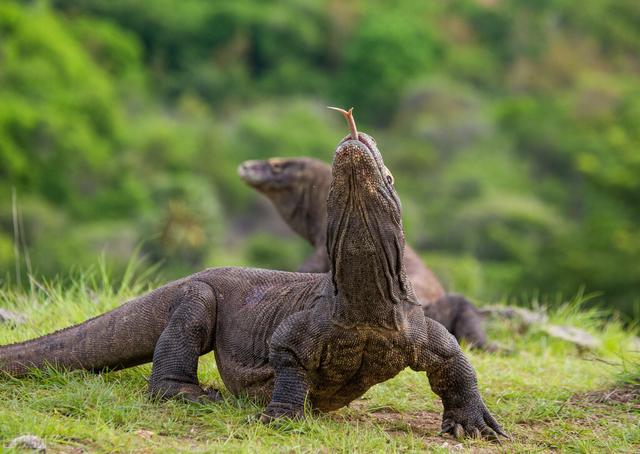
x=387, y=49
x=113, y=49
x=512, y=128
x=265, y=251
x=45, y=125
x=253, y=46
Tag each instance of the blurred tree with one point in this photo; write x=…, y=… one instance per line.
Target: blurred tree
x=388, y=47
x=512, y=128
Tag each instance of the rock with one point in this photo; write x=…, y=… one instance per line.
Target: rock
x=525, y=316
x=146, y=434
x=11, y=317
x=30, y=442
x=528, y=318
x=576, y=336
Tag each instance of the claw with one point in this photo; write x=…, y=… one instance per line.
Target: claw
x=458, y=432
x=212, y=394
x=490, y=434
x=493, y=425
x=447, y=426
x=265, y=419
x=275, y=412
x=200, y=398
x=469, y=422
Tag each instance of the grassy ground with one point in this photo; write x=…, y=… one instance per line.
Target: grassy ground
x=547, y=394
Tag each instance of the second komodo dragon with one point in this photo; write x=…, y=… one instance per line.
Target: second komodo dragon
x=298, y=188
x=288, y=338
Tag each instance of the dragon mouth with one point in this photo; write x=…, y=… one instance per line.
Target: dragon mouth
x=250, y=172
x=361, y=157
x=256, y=172
x=356, y=141
x=351, y=153
x=274, y=174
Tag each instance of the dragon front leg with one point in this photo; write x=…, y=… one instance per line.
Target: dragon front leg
x=452, y=377
x=290, y=389
x=291, y=343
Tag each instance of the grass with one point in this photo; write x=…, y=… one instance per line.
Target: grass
x=547, y=394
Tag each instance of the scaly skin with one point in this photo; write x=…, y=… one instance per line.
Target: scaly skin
x=298, y=188
x=288, y=338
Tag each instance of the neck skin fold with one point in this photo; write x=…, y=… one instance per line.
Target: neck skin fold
x=304, y=208
x=366, y=257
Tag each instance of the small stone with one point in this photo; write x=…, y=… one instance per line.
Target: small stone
x=146, y=434
x=452, y=446
x=11, y=317
x=30, y=442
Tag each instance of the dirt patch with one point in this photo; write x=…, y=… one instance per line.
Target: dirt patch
x=626, y=394
x=72, y=445
x=423, y=424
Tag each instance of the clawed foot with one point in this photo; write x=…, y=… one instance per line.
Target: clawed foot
x=494, y=347
x=203, y=396
x=188, y=392
x=473, y=421
x=275, y=411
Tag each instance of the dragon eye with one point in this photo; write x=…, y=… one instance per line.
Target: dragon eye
x=276, y=166
x=389, y=176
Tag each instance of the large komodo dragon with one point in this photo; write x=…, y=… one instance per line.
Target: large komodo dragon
x=298, y=188
x=288, y=338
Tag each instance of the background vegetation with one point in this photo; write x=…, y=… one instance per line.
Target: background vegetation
x=512, y=127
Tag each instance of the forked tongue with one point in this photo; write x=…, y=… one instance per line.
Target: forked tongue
x=348, y=114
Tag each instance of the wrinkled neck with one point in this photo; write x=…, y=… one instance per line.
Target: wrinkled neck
x=304, y=209
x=367, y=268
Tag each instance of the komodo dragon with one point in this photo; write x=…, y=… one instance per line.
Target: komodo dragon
x=298, y=188
x=288, y=338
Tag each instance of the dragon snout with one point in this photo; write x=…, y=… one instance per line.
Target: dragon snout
x=252, y=171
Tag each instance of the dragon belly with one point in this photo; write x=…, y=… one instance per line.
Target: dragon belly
x=354, y=362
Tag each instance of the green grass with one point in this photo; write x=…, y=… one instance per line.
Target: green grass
x=543, y=394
